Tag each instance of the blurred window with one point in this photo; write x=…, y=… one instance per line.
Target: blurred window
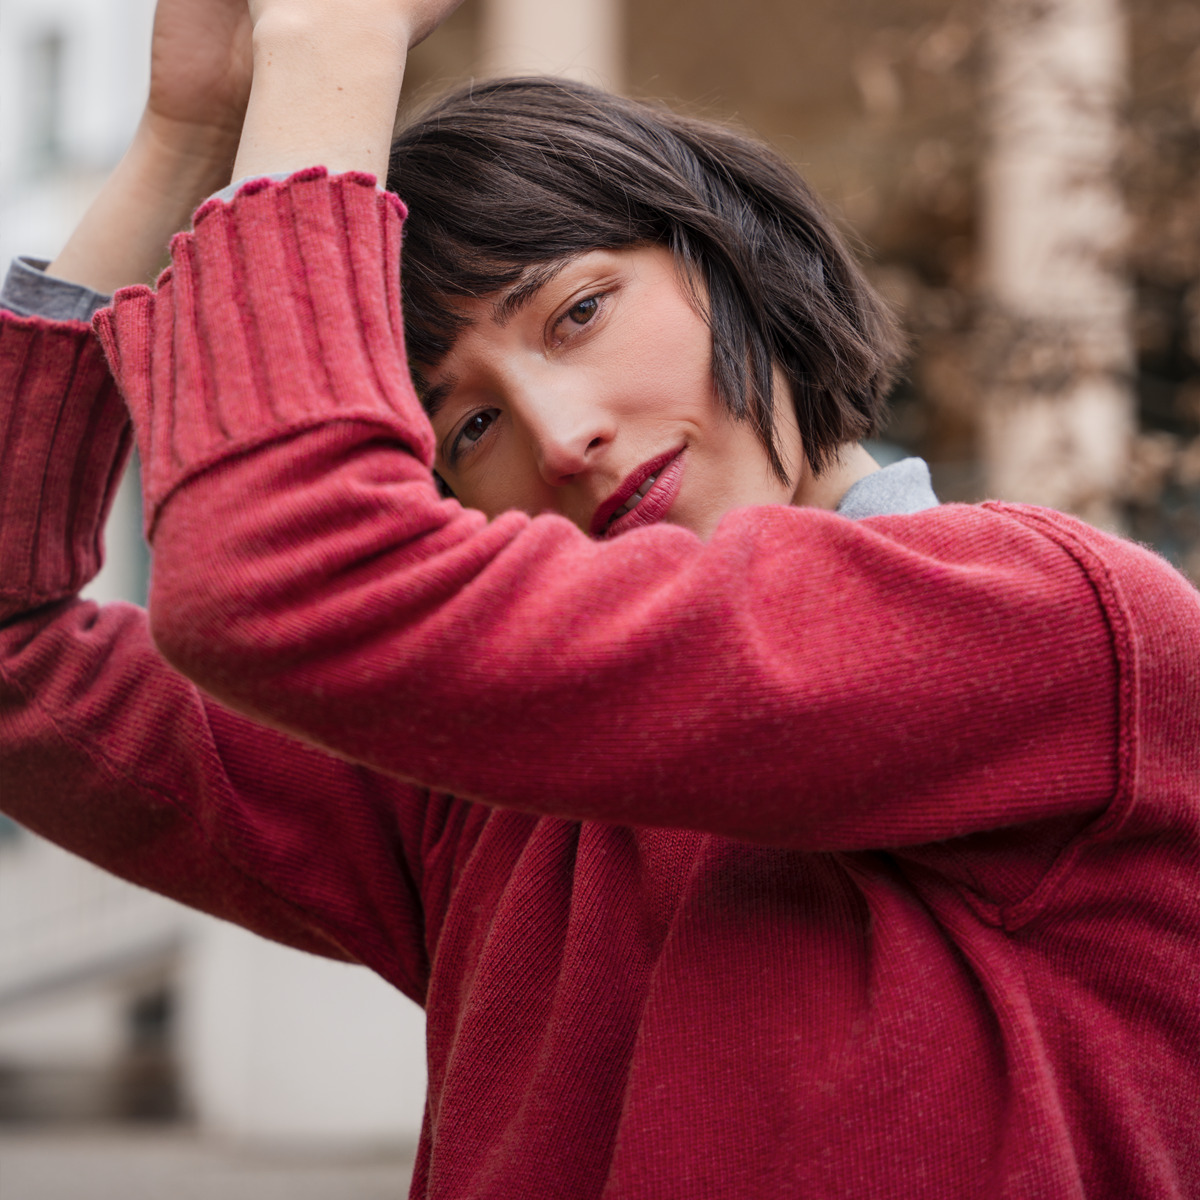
x=45, y=78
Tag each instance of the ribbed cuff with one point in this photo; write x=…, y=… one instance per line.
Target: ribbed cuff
x=280, y=311
x=64, y=441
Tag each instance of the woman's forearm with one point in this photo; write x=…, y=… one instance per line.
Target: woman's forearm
x=325, y=92
x=151, y=194
x=326, y=85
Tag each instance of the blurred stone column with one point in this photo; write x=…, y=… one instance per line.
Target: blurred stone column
x=577, y=38
x=1056, y=343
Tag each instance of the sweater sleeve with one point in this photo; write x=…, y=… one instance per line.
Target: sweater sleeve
x=799, y=680
x=107, y=751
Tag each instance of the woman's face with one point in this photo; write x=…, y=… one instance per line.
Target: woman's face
x=590, y=394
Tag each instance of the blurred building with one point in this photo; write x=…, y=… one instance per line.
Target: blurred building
x=1022, y=178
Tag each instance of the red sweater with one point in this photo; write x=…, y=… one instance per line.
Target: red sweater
x=826, y=858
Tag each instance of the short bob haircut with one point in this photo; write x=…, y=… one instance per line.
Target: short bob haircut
x=503, y=177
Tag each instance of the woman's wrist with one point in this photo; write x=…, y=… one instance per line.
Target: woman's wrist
x=185, y=161
x=325, y=93
x=151, y=194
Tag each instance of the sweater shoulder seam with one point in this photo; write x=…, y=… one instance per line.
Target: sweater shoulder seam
x=1118, y=620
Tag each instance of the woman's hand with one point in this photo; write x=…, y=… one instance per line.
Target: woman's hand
x=327, y=76
x=200, y=66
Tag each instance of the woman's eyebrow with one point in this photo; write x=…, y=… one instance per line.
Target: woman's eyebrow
x=433, y=398
x=506, y=306
x=516, y=297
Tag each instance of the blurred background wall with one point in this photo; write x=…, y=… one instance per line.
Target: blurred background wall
x=1021, y=179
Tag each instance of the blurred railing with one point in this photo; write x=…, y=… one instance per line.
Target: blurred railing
x=65, y=924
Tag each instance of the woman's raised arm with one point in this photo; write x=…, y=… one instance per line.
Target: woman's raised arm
x=112, y=755
x=183, y=149
x=103, y=748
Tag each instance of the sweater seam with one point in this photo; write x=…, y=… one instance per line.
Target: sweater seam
x=1117, y=810
x=35, y=550
x=111, y=484
x=64, y=730
x=74, y=543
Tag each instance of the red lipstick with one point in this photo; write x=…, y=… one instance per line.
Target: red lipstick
x=655, y=501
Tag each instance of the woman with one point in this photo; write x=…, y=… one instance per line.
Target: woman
x=733, y=847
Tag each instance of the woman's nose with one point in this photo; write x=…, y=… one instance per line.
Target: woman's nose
x=569, y=435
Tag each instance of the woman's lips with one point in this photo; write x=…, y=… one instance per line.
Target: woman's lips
x=631, y=489
x=655, y=504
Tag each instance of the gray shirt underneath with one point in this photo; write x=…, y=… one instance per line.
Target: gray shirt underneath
x=898, y=489
x=29, y=292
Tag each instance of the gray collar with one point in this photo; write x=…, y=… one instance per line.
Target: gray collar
x=900, y=488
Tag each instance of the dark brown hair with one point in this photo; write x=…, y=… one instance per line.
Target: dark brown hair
x=504, y=176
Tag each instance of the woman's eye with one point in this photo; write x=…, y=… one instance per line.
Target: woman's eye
x=476, y=426
x=584, y=311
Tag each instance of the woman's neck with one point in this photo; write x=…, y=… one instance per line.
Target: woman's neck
x=827, y=489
